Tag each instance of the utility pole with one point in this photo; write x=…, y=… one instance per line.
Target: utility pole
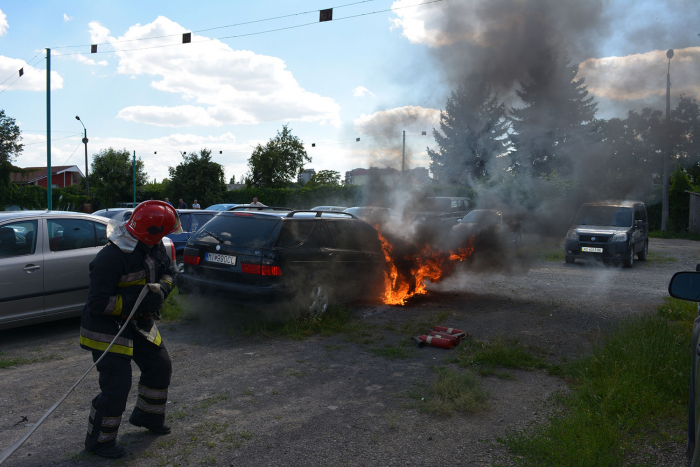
x=134, y=166
x=667, y=155
x=49, y=205
x=85, y=142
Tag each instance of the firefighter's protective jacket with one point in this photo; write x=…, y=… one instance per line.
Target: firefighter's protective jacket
x=116, y=279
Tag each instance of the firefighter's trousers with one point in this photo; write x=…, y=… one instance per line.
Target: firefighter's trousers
x=115, y=384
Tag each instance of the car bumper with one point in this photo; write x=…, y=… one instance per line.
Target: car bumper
x=611, y=250
x=234, y=293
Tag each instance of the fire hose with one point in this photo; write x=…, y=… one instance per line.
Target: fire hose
x=8, y=452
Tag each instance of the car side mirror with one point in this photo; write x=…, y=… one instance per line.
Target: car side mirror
x=639, y=224
x=685, y=286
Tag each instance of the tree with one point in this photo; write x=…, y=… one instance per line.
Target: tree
x=472, y=131
x=112, y=176
x=10, y=148
x=324, y=177
x=277, y=164
x=197, y=177
x=552, y=125
x=233, y=180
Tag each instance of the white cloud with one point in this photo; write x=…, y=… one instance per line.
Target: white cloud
x=183, y=115
x=642, y=76
x=66, y=18
x=87, y=61
x=361, y=91
x=426, y=25
x=32, y=80
x=231, y=86
x=3, y=23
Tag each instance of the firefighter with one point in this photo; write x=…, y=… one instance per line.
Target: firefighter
x=134, y=257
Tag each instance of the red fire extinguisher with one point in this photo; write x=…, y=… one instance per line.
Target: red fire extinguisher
x=436, y=341
x=454, y=339
x=452, y=331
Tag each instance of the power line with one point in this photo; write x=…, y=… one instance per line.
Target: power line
x=215, y=27
x=71, y=154
x=27, y=64
x=207, y=40
x=18, y=77
x=55, y=139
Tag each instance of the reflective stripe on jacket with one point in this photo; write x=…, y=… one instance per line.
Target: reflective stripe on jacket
x=116, y=279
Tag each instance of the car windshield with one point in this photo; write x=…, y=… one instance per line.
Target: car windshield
x=109, y=214
x=235, y=230
x=220, y=207
x=482, y=217
x=613, y=216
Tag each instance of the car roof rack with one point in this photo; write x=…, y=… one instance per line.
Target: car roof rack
x=259, y=208
x=320, y=213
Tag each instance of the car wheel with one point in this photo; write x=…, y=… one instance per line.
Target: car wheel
x=317, y=301
x=629, y=259
x=569, y=259
x=642, y=256
x=180, y=264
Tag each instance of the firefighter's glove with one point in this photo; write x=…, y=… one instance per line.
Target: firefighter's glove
x=152, y=302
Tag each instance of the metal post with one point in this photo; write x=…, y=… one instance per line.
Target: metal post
x=87, y=183
x=134, y=165
x=667, y=152
x=49, y=204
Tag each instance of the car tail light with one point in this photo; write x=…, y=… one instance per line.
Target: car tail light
x=191, y=259
x=269, y=268
x=249, y=268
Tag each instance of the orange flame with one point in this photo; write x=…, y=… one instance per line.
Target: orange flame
x=429, y=264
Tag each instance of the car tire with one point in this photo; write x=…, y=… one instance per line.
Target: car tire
x=642, y=256
x=629, y=259
x=569, y=259
x=317, y=301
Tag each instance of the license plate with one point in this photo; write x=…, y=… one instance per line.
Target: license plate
x=219, y=258
x=591, y=250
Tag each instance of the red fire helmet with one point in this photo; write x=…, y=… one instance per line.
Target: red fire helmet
x=152, y=220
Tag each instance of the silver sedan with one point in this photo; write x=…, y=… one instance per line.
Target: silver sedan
x=44, y=258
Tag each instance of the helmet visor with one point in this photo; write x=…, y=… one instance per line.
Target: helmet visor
x=177, y=228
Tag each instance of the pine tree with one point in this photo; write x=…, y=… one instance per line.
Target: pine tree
x=473, y=130
x=553, y=123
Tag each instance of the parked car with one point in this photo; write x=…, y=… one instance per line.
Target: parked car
x=303, y=260
x=123, y=214
x=221, y=207
x=375, y=215
x=490, y=222
x=609, y=230
x=329, y=208
x=44, y=258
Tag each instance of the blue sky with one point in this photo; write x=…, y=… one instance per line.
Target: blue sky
x=332, y=82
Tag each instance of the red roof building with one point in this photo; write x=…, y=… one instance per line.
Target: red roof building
x=61, y=176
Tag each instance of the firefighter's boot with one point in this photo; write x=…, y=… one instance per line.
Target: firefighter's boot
x=102, y=435
x=150, y=410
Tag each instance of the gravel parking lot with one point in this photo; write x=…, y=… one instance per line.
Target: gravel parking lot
x=241, y=400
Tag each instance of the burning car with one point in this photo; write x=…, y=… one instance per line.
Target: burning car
x=489, y=226
x=609, y=230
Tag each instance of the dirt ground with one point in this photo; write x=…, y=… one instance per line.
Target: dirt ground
x=330, y=400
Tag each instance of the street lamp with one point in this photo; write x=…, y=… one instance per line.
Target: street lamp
x=85, y=142
x=667, y=156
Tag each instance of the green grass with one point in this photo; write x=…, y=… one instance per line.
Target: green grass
x=417, y=327
x=624, y=396
x=400, y=351
x=7, y=362
x=656, y=257
x=451, y=391
x=336, y=320
x=486, y=356
x=682, y=235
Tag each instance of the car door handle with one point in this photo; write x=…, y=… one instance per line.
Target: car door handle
x=31, y=267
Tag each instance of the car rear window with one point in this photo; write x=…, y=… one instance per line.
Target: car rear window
x=236, y=230
x=368, y=237
x=345, y=235
x=294, y=233
x=612, y=216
